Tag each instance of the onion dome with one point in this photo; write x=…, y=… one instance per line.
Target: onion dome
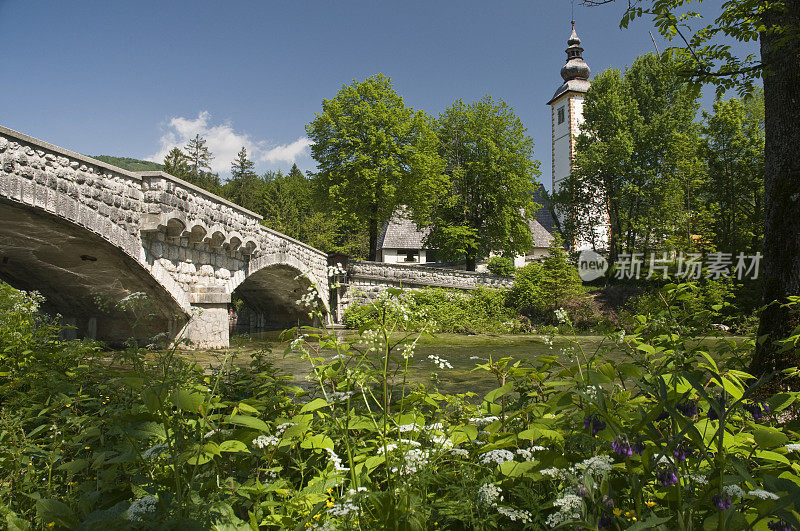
x=575, y=72
x=576, y=67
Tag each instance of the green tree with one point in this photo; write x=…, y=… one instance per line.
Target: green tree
x=708, y=58
x=636, y=160
x=734, y=151
x=371, y=151
x=199, y=158
x=176, y=163
x=486, y=198
x=245, y=187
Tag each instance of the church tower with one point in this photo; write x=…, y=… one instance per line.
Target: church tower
x=567, y=109
x=567, y=116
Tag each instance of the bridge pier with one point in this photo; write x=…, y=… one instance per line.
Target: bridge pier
x=208, y=326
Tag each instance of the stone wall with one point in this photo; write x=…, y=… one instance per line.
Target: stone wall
x=366, y=280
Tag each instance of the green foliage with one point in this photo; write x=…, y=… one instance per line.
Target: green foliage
x=501, y=265
x=177, y=164
x=479, y=311
x=540, y=288
x=734, y=190
x=484, y=201
x=150, y=441
x=372, y=152
x=198, y=158
x=127, y=163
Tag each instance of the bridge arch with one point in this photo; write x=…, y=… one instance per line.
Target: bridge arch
x=83, y=274
x=271, y=289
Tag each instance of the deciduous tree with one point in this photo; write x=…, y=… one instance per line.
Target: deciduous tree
x=485, y=200
x=371, y=151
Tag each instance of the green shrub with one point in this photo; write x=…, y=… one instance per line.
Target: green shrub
x=501, y=265
x=476, y=311
x=540, y=288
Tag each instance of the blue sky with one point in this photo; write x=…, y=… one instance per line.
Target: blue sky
x=135, y=78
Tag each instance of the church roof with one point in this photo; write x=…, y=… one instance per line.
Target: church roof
x=401, y=233
x=573, y=85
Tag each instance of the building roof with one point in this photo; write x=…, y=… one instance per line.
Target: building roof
x=401, y=233
x=545, y=213
x=540, y=236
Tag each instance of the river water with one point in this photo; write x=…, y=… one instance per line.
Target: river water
x=463, y=352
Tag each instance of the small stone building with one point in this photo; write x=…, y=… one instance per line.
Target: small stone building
x=400, y=242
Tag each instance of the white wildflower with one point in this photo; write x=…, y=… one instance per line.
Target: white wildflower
x=265, y=441
x=496, y=456
x=283, y=427
x=404, y=428
x=553, y=472
x=340, y=396
x=734, y=491
x=699, y=478
x=793, y=447
x=337, y=461
x=459, y=452
x=763, y=494
x=155, y=450
x=596, y=465
x=413, y=459
x=569, y=509
x=489, y=495
x=141, y=507
x=440, y=362
x=515, y=514
x=482, y=421
x=561, y=315
x=343, y=509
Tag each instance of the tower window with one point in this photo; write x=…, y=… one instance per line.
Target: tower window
x=561, y=115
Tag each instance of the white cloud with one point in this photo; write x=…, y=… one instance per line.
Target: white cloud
x=224, y=143
x=288, y=152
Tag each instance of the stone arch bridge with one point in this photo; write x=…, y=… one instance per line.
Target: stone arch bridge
x=87, y=234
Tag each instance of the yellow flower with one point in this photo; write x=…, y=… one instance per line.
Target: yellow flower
x=316, y=516
x=329, y=491
x=617, y=511
x=329, y=504
x=51, y=524
x=86, y=447
x=650, y=503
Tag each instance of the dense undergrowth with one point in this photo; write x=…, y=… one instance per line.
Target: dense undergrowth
x=672, y=438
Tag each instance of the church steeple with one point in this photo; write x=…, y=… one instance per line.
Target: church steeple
x=576, y=67
x=575, y=71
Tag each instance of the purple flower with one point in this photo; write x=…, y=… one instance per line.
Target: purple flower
x=766, y=407
x=608, y=502
x=666, y=476
x=594, y=423
x=605, y=521
x=754, y=409
x=779, y=525
x=679, y=453
x=582, y=491
x=722, y=503
x=687, y=407
x=622, y=447
x=638, y=447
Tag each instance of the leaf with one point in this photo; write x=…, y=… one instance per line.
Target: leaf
x=513, y=469
x=317, y=442
x=767, y=437
x=187, y=400
x=247, y=408
x=249, y=422
x=233, y=446
x=49, y=510
x=649, y=523
x=494, y=394
x=74, y=466
x=772, y=456
x=314, y=405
